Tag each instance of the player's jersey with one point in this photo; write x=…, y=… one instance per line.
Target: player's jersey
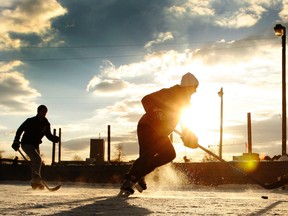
x=170, y=102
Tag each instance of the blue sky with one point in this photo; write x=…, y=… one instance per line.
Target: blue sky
x=91, y=62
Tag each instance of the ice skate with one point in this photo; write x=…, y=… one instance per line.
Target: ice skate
x=127, y=187
x=36, y=182
x=141, y=185
x=37, y=185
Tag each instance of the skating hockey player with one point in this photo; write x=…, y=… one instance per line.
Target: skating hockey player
x=163, y=110
x=34, y=128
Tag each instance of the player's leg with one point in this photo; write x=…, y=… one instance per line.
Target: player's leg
x=155, y=151
x=36, y=163
x=141, y=166
x=165, y=152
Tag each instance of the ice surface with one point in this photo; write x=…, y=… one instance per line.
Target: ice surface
x=17, y=198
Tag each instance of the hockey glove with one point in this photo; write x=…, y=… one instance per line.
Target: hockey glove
x=16, y=145
x=56, y=139
x=189, y=139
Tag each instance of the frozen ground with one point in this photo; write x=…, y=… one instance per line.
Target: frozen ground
x=17, y=198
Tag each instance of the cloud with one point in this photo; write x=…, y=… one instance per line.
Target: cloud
x=27, y=17
x=245, y=64
x=156, y=67
x=97, y=85
x=116, y=81
x=228, y=14
x=283, y=13
x=161, y=38
x=77, y=144
x=108, y=80
x=266, y=135
x=123, y=113
x=245, y=53
x=132, y=22
x=270, y=126
x=4, y=67
x=16, y=93
x=239, y=14
x=191, y=8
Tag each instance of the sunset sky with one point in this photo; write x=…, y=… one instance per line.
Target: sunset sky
x=91, y=62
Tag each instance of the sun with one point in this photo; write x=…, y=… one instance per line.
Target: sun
x=203, y=120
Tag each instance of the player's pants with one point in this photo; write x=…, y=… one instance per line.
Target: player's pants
x=155, y=151
x=36, y=161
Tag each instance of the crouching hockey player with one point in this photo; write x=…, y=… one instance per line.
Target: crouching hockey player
x=162, y=114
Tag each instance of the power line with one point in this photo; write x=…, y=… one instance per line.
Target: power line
x=121, y=56
x=127, y=45
x=102, y=46
x=70, y=58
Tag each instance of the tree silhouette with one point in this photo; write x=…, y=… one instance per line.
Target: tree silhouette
x=119, y=152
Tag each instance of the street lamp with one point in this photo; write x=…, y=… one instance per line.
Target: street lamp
x=220, y=94
x=281, y=31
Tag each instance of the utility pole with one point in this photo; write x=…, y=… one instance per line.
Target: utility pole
x=220, y=93
x=281, y=31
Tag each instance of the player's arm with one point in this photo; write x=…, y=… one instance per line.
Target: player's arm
x=20, y=130
x=49, y=135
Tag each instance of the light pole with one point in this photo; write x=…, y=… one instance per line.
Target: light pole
x=281, y=31
x=220, y=93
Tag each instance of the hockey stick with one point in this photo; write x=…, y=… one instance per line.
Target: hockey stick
x=282, y=180
x=42, y=181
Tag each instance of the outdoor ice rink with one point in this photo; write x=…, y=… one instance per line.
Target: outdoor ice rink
x=17, y=198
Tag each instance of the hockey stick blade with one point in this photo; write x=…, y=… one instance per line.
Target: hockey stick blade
x=42, y=181
x=280, y=183
x=268, y=186
x=51, y=189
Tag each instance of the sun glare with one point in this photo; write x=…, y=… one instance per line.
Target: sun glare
x=203, y=121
